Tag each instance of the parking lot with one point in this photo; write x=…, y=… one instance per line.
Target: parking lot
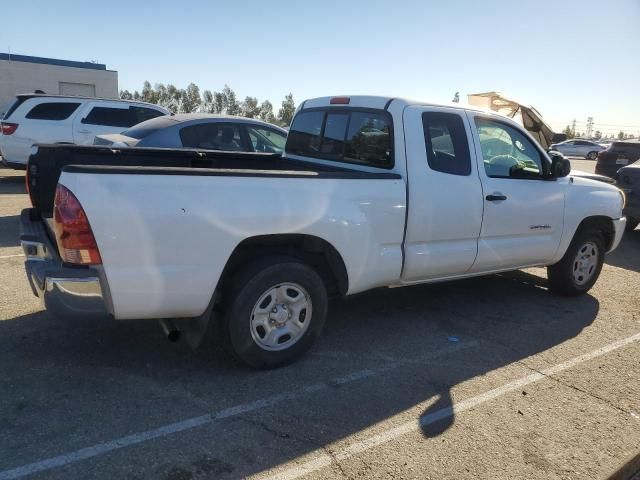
x=491, y=377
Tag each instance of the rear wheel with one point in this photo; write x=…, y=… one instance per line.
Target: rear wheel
x=592, y=155
x=580, y=267
x=274, y=312
x=632, y=223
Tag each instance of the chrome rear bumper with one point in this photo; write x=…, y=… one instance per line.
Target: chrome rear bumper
x=63, y=290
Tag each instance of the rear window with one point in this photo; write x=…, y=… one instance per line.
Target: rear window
x=120, y=117
x=145, y=129
x=52, y=111
x=351, y=136
x=9, y=108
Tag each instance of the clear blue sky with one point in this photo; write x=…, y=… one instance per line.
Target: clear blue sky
x=568, y=58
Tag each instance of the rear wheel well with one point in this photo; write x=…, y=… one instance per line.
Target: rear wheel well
x=313, y=251
x=602, y=224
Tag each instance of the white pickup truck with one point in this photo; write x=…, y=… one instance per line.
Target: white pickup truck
x=370, y=192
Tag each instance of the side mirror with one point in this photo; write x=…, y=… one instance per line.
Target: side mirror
x=560, y=165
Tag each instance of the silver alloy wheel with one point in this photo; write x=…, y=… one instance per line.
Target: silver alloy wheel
x=585, y=263
x=281, y=316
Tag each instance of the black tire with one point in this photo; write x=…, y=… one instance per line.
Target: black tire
x=561, y=275
x=240, y=299
x=592, y=155
x=632, y=223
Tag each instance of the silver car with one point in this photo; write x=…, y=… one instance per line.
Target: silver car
x=201, y=131
x=578, y=148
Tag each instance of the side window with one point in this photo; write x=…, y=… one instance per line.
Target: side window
x=506, y=152
x=369, y=140
x=141, y=114
x=212, y=136
x=112, y=117
x=304, y=133
x=52, y=111
x=266, y=140
x=446, y=143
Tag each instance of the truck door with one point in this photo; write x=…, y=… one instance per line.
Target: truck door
x=445, y=194
x=523, y=208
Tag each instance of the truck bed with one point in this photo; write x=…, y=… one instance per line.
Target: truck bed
x=47, y=163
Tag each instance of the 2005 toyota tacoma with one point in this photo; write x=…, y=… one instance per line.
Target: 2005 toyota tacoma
x=370, y=192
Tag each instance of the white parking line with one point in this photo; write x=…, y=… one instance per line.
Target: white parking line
x=136, y=438
x=323, y=460
x=12, y=256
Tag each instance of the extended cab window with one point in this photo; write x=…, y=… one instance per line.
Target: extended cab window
x=52, y=111
x=345, y=135
x=446, y=143
x=506, y=152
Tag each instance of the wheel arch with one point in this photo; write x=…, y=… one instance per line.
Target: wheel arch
x=312, y=250
x=602, y=223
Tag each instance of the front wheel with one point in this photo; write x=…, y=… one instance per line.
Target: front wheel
x=592, y=155
x=274, y=312
x=580, y=267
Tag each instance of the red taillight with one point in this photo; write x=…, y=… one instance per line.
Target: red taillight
x=73, y=232
x=8, y=128
x=340, y=101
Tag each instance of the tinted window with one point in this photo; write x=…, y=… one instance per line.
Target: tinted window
x=212, y=136
x=446, y=143
x=506, y=152
x=142, y=114
x=335, y=128
x=266, y=140
x=304, y=134
x=113, y=117
x=150, y=126
x=52, y=111
x=369, y=140
x=322, y=134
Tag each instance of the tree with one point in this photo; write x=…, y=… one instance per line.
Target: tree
x=218, y=102
x=249, y=108
x=266, y=112
x=568, y=131
x=148, y=93
x=190, y=99
x=207, y=105
x=126, y=95
x=597, y=135
x=285, y=114
x=232, y=107
x=621, y=135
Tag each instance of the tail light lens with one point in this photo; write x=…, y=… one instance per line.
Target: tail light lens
x=8, y=128
x=73, y=233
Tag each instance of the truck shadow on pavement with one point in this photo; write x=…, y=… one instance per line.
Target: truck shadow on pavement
x=11, y=184
x=96, y=369
x=627, y=255
x=10, y=230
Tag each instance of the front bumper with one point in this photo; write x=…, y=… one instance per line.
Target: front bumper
x=619, y=225
x=64, y=290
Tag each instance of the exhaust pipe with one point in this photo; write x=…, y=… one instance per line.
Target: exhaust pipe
x=170, y=330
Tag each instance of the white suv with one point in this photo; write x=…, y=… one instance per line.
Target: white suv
x=38, y=118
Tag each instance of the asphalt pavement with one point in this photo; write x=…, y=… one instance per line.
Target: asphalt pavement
x=492, y=377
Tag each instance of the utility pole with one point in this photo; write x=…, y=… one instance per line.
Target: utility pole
x=589, y=127
x=573, y=127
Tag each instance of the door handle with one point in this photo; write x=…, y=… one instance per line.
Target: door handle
x=496, y=197
x=83, y=131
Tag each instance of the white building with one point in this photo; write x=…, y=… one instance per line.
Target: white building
x=25, y=74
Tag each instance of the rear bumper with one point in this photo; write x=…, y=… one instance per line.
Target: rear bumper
x=64, y=290
x=619, y=225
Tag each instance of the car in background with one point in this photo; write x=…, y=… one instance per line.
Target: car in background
x=578, y=148
x=201, y=131
x=618, y=155
x=628, y=180
x=41, y=118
